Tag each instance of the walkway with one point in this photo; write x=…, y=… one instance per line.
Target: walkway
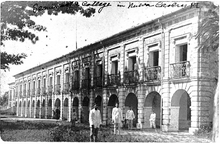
x=160, y=136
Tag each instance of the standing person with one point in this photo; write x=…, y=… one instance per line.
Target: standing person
x=129, y=117
x=74, y=118
x=57, y=113
x=94, y=122
x=117, y=118
x=153, y=120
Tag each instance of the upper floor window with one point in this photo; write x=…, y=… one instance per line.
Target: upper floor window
x=67, y=78
x=114, y=68
x=38, y=83
x=58, y=79
x=44, y=82
x=154, y=58
x=33, y=85
x=76, y=76
x=20, y=88
x=99, y=70
x=131, y=63
x=24, y=86
x=29, y=85
x=51, y=80
x=87, y=73
x=181, y=53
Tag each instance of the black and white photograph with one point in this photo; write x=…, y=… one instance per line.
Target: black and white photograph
x=109, y=71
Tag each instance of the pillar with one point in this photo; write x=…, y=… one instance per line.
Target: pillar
x=174, y=121
x=121, y=98
x=91, y=99
x=147, y=112
x=140, y=96
x=70, y=101
x=80, y=107
x=104, y=101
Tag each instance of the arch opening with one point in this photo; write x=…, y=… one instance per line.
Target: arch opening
x=131, y=100
x=65, y=109
x=75, y=107
x=180, y=110
x=152, y=103
x=113, y=99
x=85, y=110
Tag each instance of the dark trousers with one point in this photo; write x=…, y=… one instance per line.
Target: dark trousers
x=93, y=134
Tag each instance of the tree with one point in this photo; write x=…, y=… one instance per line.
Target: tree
x=209, y=40
x=4, y=99
x=17, y=25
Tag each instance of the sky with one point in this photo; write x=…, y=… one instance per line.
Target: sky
x=64, y=30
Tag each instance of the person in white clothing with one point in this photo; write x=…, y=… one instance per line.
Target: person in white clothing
x=129, y=117
x=153, y=120
x=117, y=118
x=94, y=122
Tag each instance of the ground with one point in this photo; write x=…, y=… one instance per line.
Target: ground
x=29, y=129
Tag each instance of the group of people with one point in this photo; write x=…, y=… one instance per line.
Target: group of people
x=117, y=119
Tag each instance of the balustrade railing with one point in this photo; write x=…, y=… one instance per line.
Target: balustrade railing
x=86, y=84
x=152, y=74
x=113, y=79
x=57, y=89
x=131, y=77
x=66, y=88
x=180, y=70
x=20, y=93
x=50, y=90
x=75, y=85
x=38, y=91
x=29, y=93
x=24, y=93
x=97, y=81
x=33, y=92
x=43, y=91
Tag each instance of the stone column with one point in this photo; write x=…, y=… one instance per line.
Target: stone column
x=26, y=111
x=165, y=81
x=147, y=112
x=53, y=90
x=80, y=107
x=17, y=99
x=91, y=99
x=69, y=107
x=61, y=107
x=61, y=92
x=121, y=98
x=46, y=106
x=92, y=95
x=104, y=101
x=174, y=118
x=140, y=96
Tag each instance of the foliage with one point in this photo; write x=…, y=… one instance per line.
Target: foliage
x=204, y=131
x=17, y=25
x=7, y=113
x=7, y=59
x=4, y=99
x=209, y=26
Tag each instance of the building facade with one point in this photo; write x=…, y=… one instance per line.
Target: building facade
x=155, y=66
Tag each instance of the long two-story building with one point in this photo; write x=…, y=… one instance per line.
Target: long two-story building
x=155, y=66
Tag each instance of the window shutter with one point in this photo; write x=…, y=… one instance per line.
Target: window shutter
x=177, y=54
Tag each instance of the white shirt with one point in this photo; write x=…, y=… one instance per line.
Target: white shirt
x=152, y=117
x=117, y=115
x=130, y=115
x=95, y=118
